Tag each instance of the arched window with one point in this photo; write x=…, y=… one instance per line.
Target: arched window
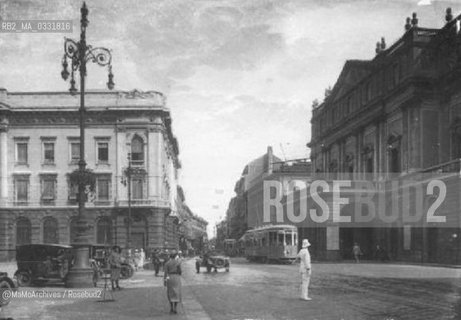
x=23, y=231
x=137, y=150
x=104, y=231
x=393, y=146
x=394, y=160
x=50, y=230
x=73, y=231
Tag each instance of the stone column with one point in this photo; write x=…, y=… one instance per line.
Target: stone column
x=120, y=160
x=154, y=164
x=5, y=235
x=340, y=168
x=360, y=155
x=376, y=152
x=332, y=242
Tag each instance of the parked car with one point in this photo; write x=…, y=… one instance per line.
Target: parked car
x=39, y=263
x=213, y=260
x=99, y=255
x=6, y=283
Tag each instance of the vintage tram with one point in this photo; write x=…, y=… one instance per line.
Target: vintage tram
x=277, y=243
x=230, y=247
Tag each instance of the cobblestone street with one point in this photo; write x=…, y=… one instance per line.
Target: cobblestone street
x=257, y=291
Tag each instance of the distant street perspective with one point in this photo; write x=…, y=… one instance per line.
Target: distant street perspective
x=268, y=291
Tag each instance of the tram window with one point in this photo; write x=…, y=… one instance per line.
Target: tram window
x=272, y=238
x=281, y=239
x=288, y=239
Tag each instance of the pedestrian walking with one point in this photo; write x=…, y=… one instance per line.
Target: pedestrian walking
x=381, y=254
x=142, y=258
x=198, y=262
x=156, y=261
x=305, y=269
x=136, y=259
x=115, y=263
x=172, y=280
x=357, y=252
x=166, y=257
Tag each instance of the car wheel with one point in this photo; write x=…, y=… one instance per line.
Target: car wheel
x=24, y=279
x=5, y=285
x=219, y=263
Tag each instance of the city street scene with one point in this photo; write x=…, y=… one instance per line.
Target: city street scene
x=230, y=159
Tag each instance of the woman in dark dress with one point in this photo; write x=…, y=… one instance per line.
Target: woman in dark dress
x=172, y=280
x=115, y=263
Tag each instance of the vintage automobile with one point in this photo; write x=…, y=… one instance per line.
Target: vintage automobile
x=99, y=255
x=213, y=260
x=40, y=263
x=6, y=283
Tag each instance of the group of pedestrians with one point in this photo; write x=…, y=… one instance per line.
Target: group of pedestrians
x=380, y=253
x=171, y=273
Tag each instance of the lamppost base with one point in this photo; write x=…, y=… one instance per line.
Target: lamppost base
x=80, y=278
x=81, y=273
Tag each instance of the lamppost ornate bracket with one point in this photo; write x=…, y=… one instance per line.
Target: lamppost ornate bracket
x=79, y=53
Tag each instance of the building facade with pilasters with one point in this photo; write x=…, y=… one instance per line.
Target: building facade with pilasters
x=395, y=118
x=39, y=148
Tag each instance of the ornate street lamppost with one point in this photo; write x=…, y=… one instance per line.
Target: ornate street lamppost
x=79, y=53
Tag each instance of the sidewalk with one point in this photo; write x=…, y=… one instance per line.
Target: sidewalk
x=142, y=297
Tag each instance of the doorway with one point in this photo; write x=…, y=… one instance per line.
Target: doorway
x=138, y=240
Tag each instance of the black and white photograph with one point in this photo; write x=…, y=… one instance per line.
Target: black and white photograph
x=230, y=159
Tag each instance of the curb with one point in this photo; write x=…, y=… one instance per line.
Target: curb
x=192, y=308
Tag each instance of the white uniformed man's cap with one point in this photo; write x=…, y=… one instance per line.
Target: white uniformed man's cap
x=306, y=243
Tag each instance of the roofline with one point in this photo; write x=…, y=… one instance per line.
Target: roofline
x=45, y=244
x=272, y=226
x=87, y=91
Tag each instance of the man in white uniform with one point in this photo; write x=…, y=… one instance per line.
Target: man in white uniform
x=305, y=269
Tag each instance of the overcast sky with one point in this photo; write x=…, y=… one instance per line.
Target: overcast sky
x=239, y=75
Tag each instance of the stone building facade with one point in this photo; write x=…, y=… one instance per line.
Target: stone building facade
x=192, y=228
x=246, y=209
x=39, y=148
x=395, y=117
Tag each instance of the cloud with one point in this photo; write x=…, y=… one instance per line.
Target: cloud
x=424, y=3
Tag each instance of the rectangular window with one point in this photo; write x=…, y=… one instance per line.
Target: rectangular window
x=48, y=155
x=48, y=186
x=74, y=152
x=103, y=187
x=21, y=152
x=137, y=188
x=72, y=191
x=103, y=152
x=21, y=185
